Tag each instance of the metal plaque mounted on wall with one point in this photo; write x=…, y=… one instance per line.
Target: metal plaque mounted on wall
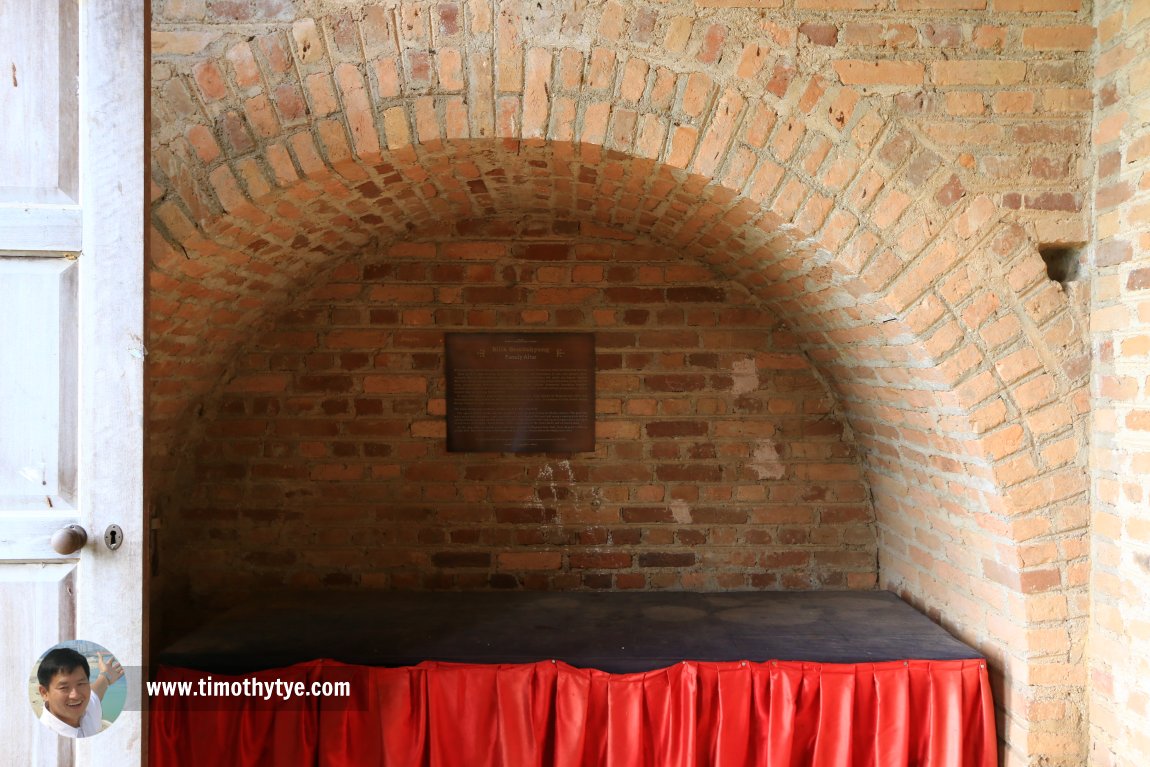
x=520, y=392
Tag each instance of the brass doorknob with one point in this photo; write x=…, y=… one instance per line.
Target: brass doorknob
x=69, y=539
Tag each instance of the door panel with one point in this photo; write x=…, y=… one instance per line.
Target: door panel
x=40, y=101
x=42, y=595
x=72, y=149
x=39, y=323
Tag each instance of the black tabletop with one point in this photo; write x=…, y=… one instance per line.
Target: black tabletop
x=615, y=632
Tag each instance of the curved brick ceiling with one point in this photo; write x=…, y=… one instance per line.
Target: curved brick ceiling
x=212, y=286
x=890, y=350
x=317, y=137
x=962, y=370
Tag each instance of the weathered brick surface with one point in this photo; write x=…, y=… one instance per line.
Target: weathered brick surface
x=1119, y=716
x=875, y=176
x=716, y=450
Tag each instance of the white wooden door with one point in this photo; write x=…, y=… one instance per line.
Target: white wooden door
x=71, y=354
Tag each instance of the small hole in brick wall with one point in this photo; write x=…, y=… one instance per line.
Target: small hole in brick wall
x=1061, y=262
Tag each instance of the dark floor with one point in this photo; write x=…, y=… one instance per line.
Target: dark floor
x=615, y=632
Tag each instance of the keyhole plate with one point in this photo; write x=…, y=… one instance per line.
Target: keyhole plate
x=113, y=537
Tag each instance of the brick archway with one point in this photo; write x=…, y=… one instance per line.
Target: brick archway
x=926, y=311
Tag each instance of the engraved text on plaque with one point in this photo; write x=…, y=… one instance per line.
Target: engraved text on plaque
x=520, y=392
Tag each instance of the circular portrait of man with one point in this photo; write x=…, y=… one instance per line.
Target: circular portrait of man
x=76, y=689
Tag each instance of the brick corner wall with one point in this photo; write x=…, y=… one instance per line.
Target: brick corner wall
x=1120, y=556
x=720, y=461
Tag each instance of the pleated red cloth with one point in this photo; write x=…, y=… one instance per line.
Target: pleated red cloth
x=548, y=714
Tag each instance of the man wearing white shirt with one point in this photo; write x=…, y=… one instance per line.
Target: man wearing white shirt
x=72, y=702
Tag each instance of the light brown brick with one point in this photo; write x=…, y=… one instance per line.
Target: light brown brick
x=985, y=72
x=1077, y=37
x=859, y=72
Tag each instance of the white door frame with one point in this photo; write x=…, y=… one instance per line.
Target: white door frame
x=95, y=217
x=113, y=146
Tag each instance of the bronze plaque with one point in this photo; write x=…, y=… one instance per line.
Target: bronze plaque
x=520, y=392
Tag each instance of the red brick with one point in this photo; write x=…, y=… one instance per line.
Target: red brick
x=689, y=473
x=666, y=560
x=712, y=45
x=839, y=5
x=663, y=429
x=697, y=94
x=820, y=34
x=942, y=5
x=600, y=561
x=394, y=384
x=461, y=559
x=1037, y=6
x=889, y=35
x=243, y=61
x=204, y=143
x=259, y=382
x=530, y=560
x=210, y=81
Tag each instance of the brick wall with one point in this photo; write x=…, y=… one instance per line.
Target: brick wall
x=719, y=463
x=1120, y=639
x=880, y=176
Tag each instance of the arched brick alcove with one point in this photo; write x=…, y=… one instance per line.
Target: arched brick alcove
x=954, y=368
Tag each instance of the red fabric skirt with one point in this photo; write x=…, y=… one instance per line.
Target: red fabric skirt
x=549, y=714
